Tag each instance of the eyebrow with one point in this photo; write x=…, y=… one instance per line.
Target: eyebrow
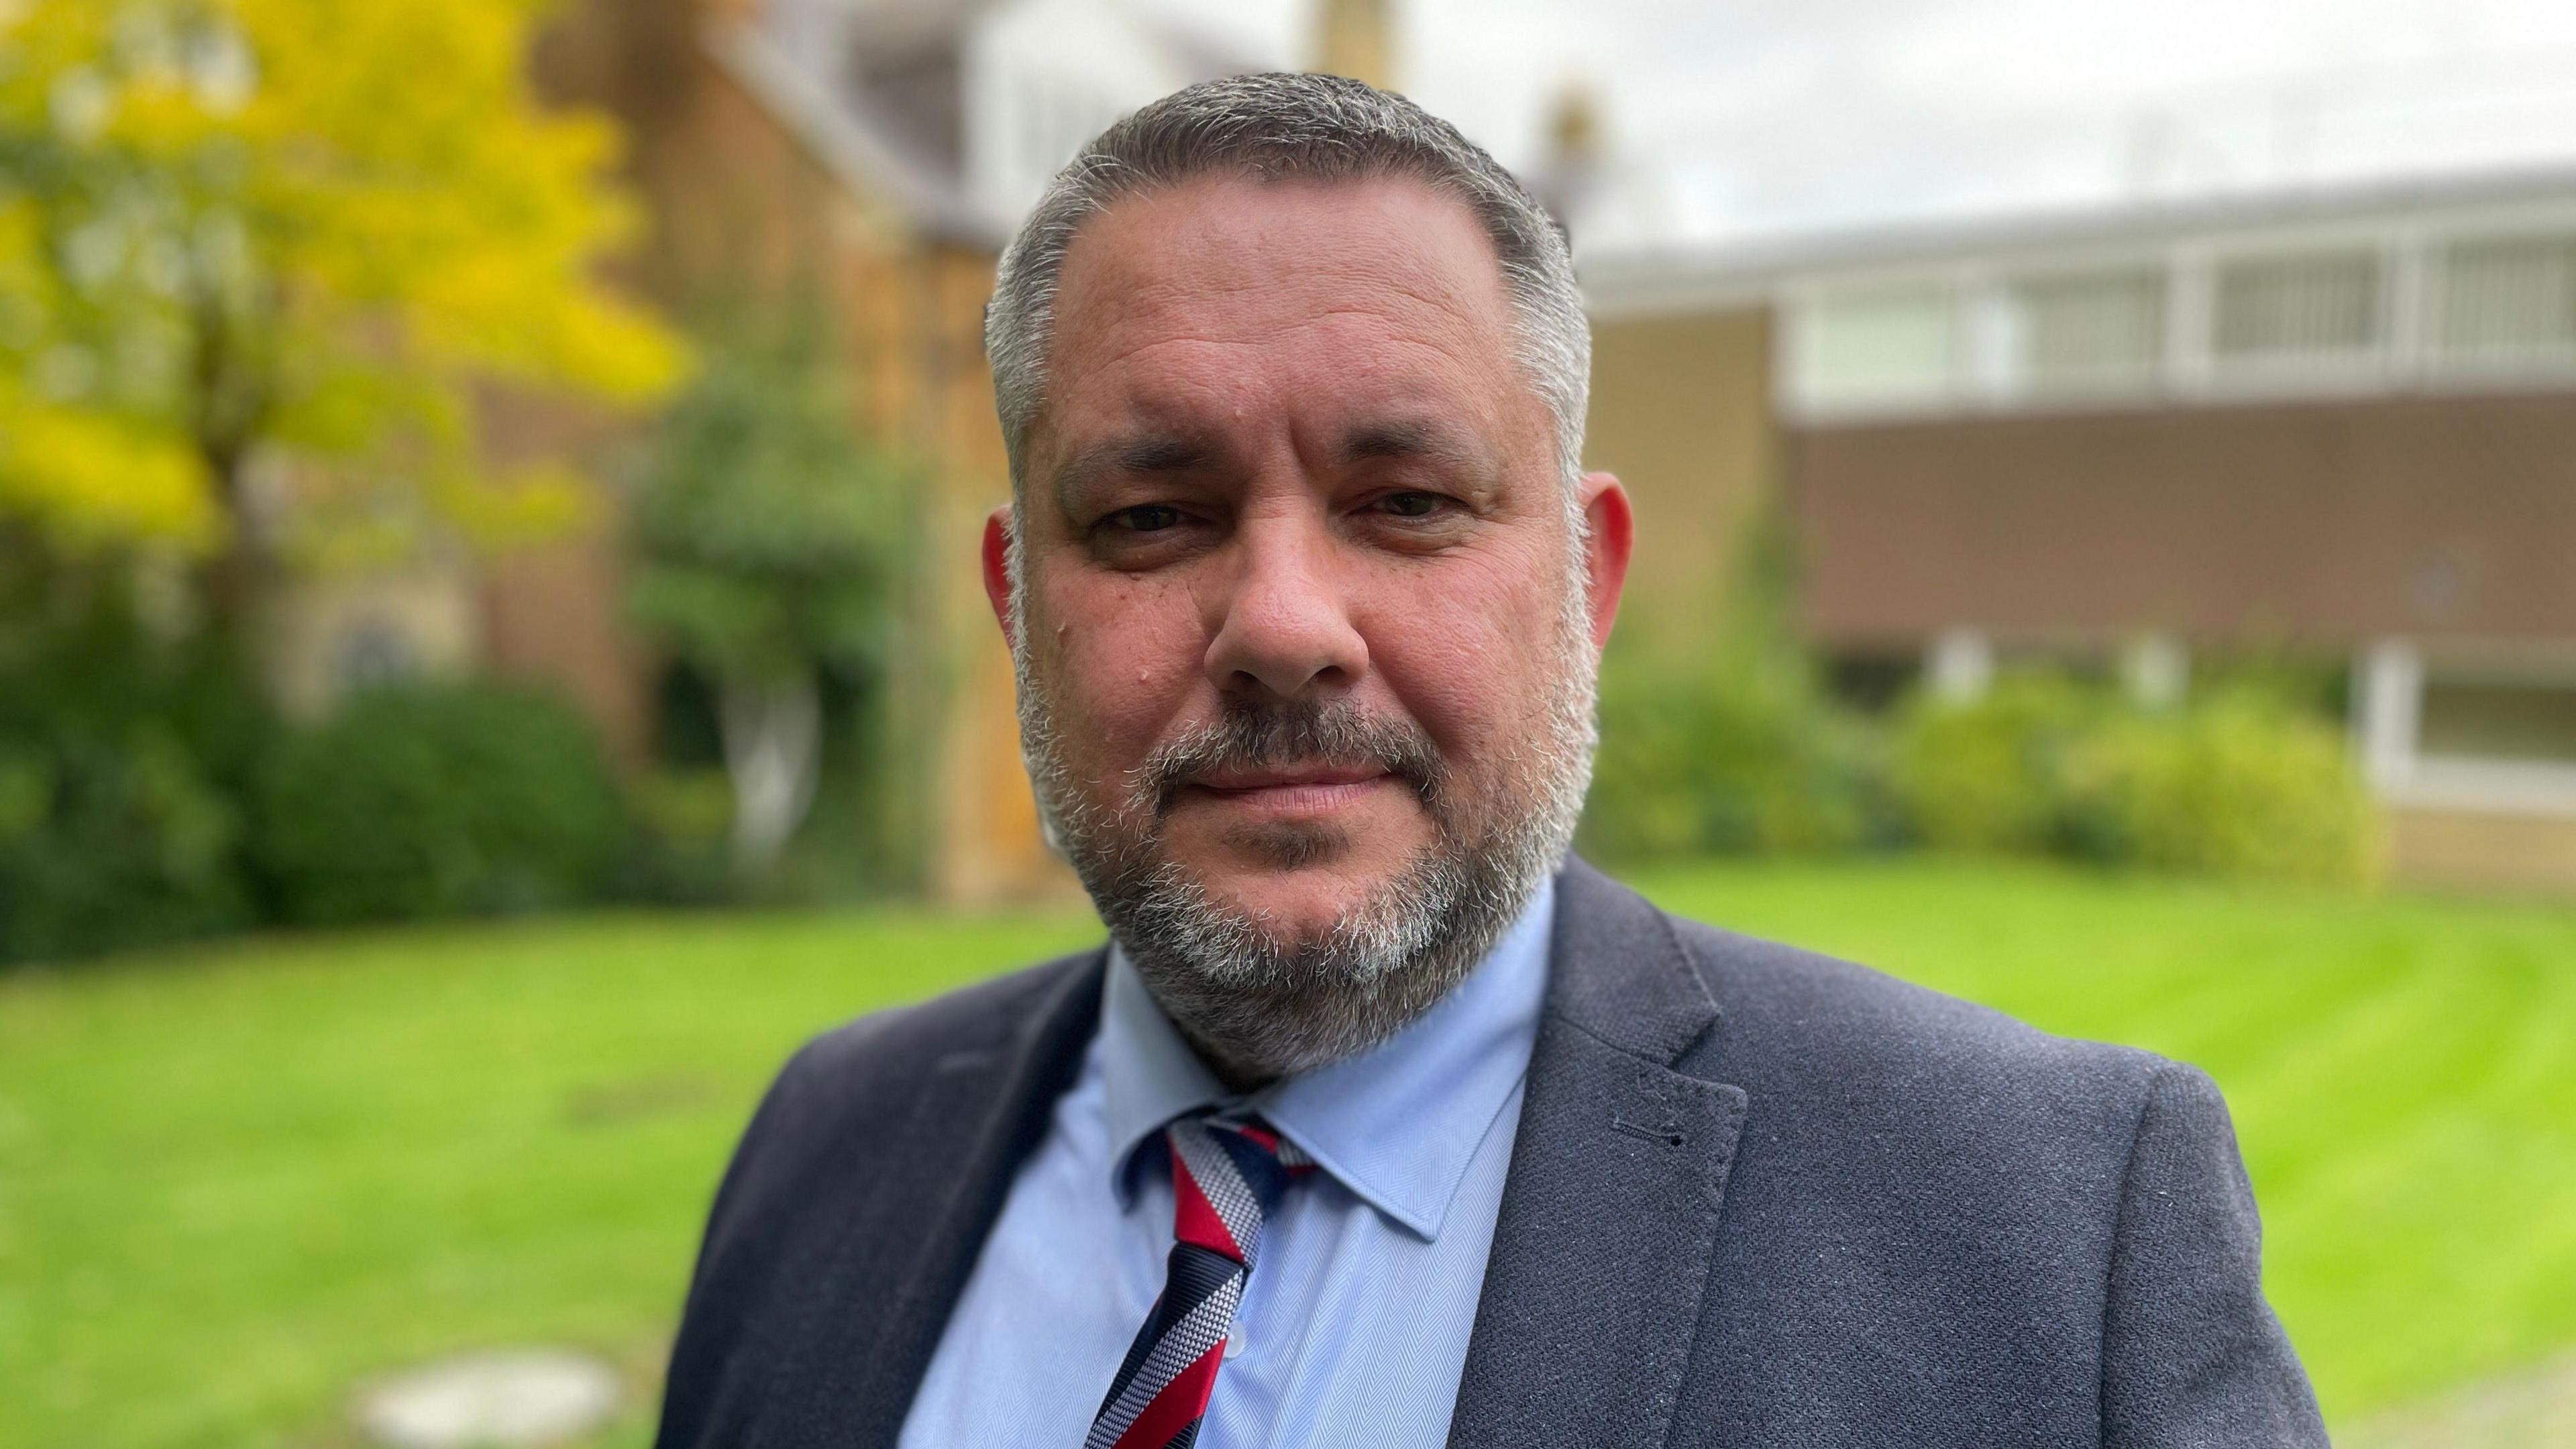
x=1423, y=438
x=1141, y=453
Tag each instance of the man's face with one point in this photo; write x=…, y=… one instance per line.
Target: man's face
x=1290, y=477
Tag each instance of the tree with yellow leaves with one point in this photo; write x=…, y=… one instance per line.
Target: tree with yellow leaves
x=263, y=263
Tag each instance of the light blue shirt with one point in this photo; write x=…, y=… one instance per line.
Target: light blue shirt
x=1354, y=1324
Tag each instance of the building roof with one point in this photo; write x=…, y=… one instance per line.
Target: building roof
x=1722, y=275
x=878, y=140
x=877, y=92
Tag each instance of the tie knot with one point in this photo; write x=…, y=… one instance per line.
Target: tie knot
x=1227, y=1174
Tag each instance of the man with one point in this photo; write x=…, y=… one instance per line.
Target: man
x=1379, y=1121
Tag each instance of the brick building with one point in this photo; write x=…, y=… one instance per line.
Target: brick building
x=2333, y=425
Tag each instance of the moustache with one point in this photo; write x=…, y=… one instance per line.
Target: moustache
x=1256, y=736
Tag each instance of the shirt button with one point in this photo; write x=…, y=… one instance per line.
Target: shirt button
x=1233, y=1344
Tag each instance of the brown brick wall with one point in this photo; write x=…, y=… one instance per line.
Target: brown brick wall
x=2325, y=523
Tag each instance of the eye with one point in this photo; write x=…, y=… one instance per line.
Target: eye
x=1412, y=503
x=1144, y=518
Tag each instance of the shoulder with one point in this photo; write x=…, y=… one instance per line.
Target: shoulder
x=1779, y=1002
x=985, y=1013
x=1877, y=1082
x=832, y=1151
x=838, y=1112
x=840, y=1106
x=1894, y=1135
x=2062, y=1225
x=858, y=1068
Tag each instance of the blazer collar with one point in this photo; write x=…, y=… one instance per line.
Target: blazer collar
x=1601, y=1256
x=1621, y=973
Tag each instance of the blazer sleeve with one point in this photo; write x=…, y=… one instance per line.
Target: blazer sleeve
x=2191, y=1353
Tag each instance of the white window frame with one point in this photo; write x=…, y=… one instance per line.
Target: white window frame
x=2388, y=712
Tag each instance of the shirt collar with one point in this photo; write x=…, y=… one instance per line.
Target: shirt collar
x=1396, y=1124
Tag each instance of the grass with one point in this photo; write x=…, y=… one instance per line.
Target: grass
x=235, y=1182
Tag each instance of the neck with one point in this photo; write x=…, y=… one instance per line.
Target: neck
x=1239, y=1076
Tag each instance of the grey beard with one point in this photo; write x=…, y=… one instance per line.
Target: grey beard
x=1257, y=1007
x=1261, y=1009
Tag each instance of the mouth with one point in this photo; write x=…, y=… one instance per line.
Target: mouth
x=1288, y=792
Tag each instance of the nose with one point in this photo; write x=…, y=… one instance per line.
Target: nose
x=1286, y=629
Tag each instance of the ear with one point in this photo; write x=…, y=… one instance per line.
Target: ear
x=1610, y=535
x=997, y=569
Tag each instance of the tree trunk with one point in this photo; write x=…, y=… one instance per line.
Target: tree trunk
x=773, y=736
x=227, y=415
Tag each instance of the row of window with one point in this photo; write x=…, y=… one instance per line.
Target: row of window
x=2340, y=313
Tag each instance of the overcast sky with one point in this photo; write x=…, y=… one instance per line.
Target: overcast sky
x=1748, y=118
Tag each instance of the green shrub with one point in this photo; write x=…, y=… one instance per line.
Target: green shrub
x=120, y=757
x=437, y=800
x=112, y=841
x=1989, y=774
x=2239, y=786
x=1740, y=752
x=2238, y=783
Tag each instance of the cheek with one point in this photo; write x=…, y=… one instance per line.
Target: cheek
x=1466, y=648
x=1123, y=654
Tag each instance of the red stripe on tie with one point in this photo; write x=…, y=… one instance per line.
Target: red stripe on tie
x=1195, y=1219
x=1177, y=1407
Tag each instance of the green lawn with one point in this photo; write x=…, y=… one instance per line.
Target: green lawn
x=236, y=1181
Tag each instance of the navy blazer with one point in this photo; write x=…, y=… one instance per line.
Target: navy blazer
x=1759, y=1199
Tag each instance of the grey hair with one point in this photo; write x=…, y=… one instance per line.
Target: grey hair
x=1290, y=127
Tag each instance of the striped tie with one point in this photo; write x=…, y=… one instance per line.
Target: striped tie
x=1226, y=1176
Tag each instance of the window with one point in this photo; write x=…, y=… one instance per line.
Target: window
x=2480, y=733
x=2506, y=301
x=2512, y=722
x=2309, y=307
x=1879, y=346
x=2091, y=331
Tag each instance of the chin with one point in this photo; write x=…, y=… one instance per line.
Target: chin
x=1279, y=863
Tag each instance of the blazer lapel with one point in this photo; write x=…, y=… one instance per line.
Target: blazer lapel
x=913, y=1236
x=1609, y=1217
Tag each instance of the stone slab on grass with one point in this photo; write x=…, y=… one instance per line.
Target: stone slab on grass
x=496, y=1400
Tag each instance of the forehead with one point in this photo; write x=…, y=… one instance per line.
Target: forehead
x=1240, y=296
